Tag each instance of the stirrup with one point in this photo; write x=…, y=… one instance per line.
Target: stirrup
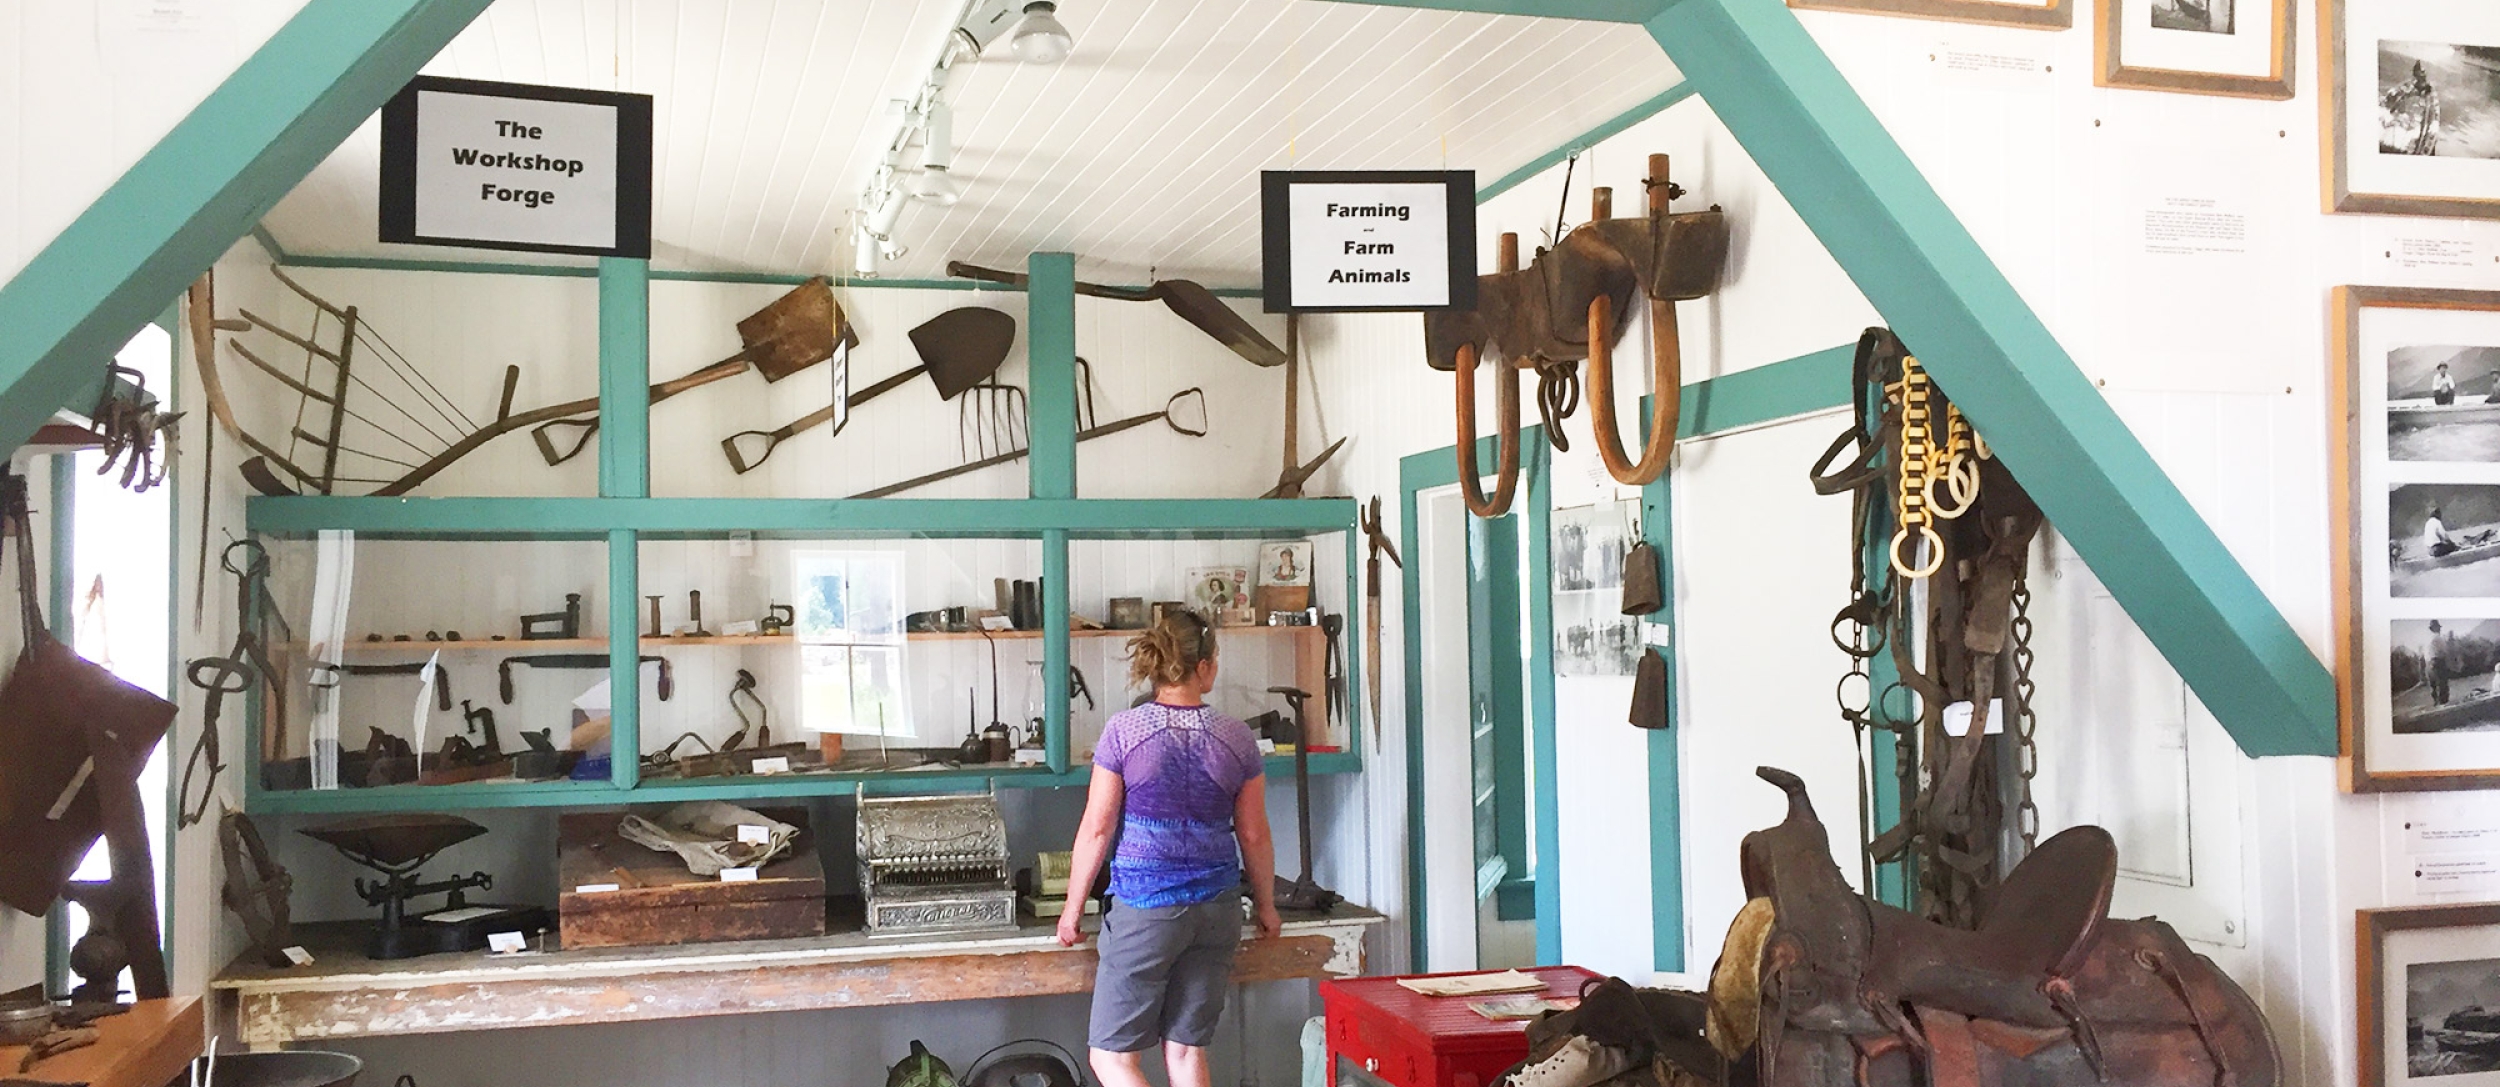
x=1506, y=472
x=1666, y=376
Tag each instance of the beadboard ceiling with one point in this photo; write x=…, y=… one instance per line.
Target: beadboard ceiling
x=1140, y=152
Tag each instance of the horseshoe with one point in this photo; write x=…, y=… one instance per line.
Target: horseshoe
x=1506, y=473
x=1666, y=380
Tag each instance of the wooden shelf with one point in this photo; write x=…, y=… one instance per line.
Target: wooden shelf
x=147, y=1046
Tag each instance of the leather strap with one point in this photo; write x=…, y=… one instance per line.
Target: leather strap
x=13, y=506
x=1952, y=1054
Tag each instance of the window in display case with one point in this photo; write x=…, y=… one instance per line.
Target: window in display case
x=418, y=662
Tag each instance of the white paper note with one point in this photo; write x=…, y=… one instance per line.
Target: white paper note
x=594, y=888
x=737, y=875
x=775, y=765
x=506, y=943
x=750, y=834
x=2456, y=873
x=298, y=956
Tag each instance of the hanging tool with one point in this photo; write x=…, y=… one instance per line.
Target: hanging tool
x=991, y=419
x=1376, y=543
x=243, y=666
x=959, y=349
x=1194, y=303
x=1171, y=416
x=1333, y=625
x=576, y=662
x=1290, y=479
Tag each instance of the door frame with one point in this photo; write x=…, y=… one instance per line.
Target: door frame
x=1431, y=470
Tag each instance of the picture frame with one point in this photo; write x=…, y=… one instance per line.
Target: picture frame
x=1284, y=577
x=2415, y=409
x=2237, y=48
x=2416, y=966
x=2036, y=14
x=2395, y=143
x=1222, y=594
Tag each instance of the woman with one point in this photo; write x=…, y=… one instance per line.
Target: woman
x=1175, y=785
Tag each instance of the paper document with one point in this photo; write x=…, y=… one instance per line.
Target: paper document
x=1499, y=981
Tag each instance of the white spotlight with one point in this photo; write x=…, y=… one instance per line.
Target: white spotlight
x=1041, y=38
x=934, y=184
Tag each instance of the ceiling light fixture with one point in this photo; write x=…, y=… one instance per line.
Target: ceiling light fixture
x=1041, y=38
x=934, y=183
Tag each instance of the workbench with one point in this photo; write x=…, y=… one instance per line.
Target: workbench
x=345, y=995
x=146, y=1046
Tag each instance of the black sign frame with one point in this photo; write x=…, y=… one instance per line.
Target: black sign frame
x=1276, y=244
x=633, y=165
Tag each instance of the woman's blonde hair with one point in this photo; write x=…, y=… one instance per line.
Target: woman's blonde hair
x=1170, y=651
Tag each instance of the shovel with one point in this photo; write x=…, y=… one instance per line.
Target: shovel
x=1193, y=302
x=959, y=349
x=799, y=329
x=1169, y=415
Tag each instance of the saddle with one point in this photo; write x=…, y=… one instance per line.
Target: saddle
x=2047, y=990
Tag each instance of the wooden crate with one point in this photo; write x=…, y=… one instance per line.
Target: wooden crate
x=658, y=902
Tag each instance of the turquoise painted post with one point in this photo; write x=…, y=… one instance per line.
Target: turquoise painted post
x=1666, y=770
x=1414, y=474
x=624, y=658
x=60, y=558
x=1055, y=740
x=624, y=382
x=1050, y=358
x=202, y=187
x=1545, y=866
x=1799, y=119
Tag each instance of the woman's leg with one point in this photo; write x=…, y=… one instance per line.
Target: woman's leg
x=1124, y=1070
x=1185, y=1065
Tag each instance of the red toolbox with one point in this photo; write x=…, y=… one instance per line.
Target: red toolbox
x=1412, y=1040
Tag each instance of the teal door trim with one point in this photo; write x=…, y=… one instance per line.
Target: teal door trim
x=202, y=187
x=1431, y=470
x=1050, y=365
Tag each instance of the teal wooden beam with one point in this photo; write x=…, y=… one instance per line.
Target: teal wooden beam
x=624, y=380
x=1664, y=753
x=1749, y=398
x=1545, y=758
x=1811, y=134
x=201, y=187
x=624, y=659
x=1050, y=372
x=1055, y=723
x=1613, y=127
x=594, y=518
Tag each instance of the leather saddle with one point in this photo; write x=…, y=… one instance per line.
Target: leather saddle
x=2047, y=990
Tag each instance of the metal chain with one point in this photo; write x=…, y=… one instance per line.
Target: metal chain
x=1910, y=488
x=2026, y=723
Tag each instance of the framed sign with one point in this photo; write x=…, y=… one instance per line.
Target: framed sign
x=2412, y=104
x=2417, y=474
x=1358, y=241
x=2232, y=47
x=511, y=166
x=2040, y=14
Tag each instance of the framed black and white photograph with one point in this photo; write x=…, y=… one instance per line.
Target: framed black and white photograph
x=2413, y=107
x=2037, y=14
x=2428, y=995
x=1592, y=636
x=2241, y=48
x=2417, y=474
x=2443, y=403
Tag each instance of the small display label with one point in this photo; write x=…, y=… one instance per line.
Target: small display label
x=594, y=888
x=737, y=875
x=298, y=956
x=506, y=943
x=750, y=834
x=777, y=764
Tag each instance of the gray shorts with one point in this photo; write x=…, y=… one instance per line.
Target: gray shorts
x=1164, y=974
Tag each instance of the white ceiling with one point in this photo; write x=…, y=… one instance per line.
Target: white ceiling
x=1139, y=153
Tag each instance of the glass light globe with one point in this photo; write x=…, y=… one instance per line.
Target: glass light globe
x=1041, y=38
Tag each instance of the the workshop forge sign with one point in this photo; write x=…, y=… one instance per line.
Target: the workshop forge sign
x=511, y=166
x=1339, y=241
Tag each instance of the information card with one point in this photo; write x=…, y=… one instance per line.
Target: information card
x=1354, y=241
x=512, y=166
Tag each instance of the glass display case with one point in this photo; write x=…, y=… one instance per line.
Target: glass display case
x=412, y=661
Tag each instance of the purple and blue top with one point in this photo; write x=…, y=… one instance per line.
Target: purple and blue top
x=1181, y=768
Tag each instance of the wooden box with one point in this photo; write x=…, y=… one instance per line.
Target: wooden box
x=656, y=901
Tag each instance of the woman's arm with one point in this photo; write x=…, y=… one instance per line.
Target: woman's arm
x=1093, y=844
x=1258, y=853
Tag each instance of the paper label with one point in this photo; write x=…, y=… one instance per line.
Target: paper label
x=298, y=956
x=737, y=875
x=2413, y=254
x=1957, y=718
x=750, y=834
x=506, y=943
x=2457, y=873
x=1026, y=756
x=594, y=888
x=778, y=764
x=2450, y=835
x=454, y=917
x=1657, y=634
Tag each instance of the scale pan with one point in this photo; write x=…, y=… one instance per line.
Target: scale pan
x=394, y=840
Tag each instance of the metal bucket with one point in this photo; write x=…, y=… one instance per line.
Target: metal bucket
x=298, y=1068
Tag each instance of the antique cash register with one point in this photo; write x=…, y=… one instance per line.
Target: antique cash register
x=934, y=864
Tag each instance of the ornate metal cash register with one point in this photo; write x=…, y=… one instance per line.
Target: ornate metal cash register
x=934, y=864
